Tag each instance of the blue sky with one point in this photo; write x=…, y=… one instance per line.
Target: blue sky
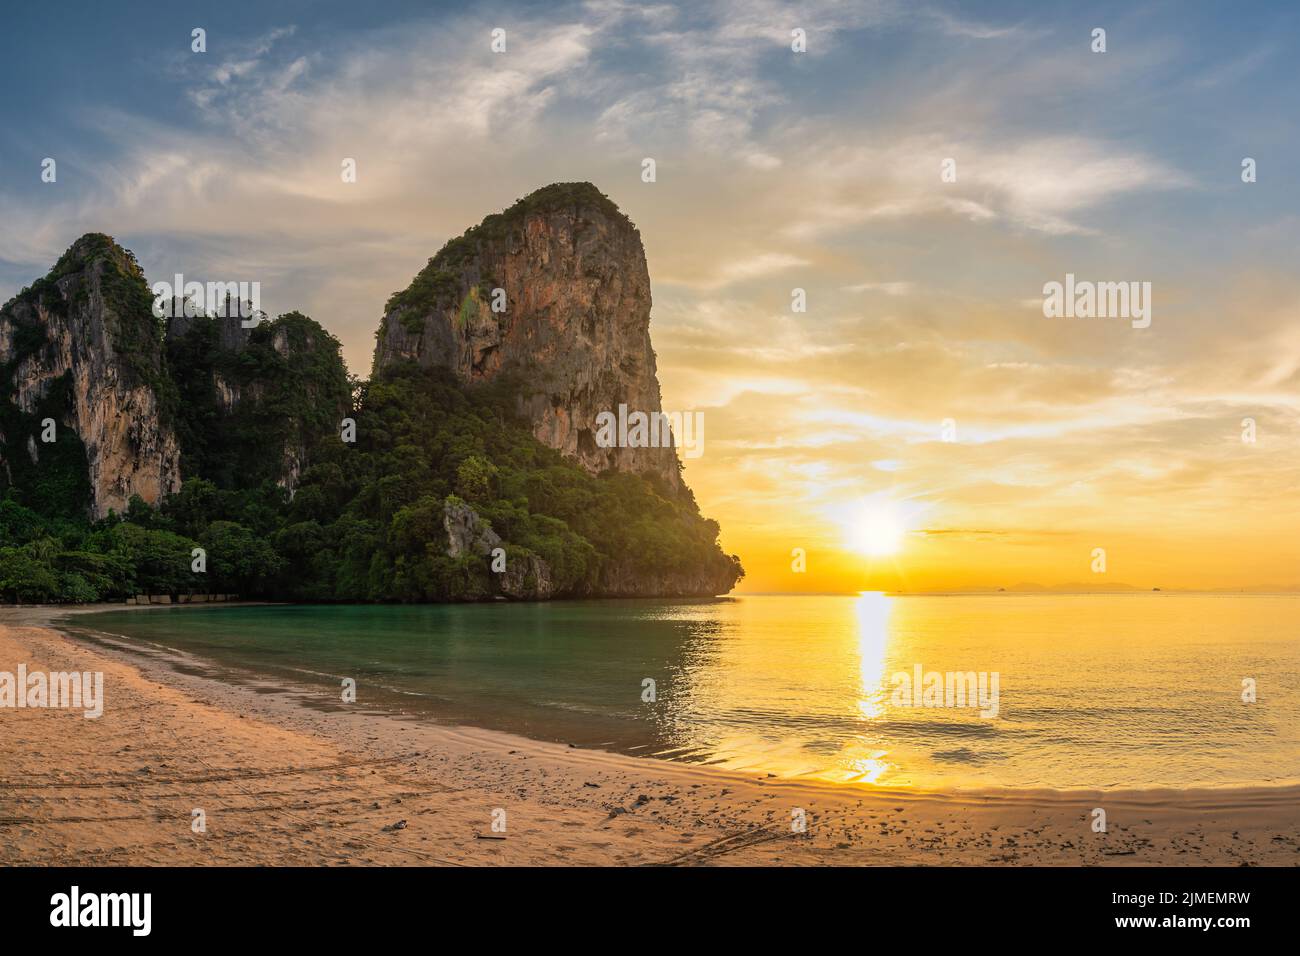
x=1191, y=86
x=775, y=170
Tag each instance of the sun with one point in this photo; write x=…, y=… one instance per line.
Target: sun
x=877, y=528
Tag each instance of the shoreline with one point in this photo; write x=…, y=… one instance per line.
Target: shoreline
x=286, y=778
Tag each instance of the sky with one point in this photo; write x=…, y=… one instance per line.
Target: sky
x=922, y=425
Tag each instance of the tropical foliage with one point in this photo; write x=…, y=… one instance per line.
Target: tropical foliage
x=366, y=518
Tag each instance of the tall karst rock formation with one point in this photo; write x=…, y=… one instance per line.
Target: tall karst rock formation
x=82, y=348
x=139, y=402
x=575, y=332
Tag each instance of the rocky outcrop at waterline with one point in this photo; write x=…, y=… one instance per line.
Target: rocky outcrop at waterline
x=521, y=574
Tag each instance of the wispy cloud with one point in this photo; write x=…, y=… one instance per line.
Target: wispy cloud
x=1045, y=184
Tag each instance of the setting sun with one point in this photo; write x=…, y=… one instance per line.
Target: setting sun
x=877, y=528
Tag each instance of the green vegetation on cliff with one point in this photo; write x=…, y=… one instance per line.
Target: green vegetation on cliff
x=258, y=412
x=366, y=522
x=246, y=411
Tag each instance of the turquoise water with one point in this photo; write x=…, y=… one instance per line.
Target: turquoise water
x=1093, y=690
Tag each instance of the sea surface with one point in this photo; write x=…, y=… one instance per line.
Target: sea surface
x=1110, y=691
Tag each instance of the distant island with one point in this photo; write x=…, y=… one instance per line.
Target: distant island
x=192, y=455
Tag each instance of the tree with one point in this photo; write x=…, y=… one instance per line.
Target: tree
x=160, y=560
x=194, y=507
x=476, y=478
x=25, y=579
x=239, y=560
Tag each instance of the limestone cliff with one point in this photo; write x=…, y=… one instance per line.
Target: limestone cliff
x=82, y=348
x=574, y=334
x=255, y=402
x=443, y=462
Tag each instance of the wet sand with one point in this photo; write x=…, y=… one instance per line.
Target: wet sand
x=284, y=777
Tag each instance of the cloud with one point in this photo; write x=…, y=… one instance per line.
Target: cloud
x=759, y=266
x=888, y=288
x=1044, y=184
x=954, y=26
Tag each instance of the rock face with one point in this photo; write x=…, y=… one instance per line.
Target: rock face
x=255, y=402
x=574, y=334
x=82, y=347
x=526, y=576
x=620, y=580
x=231, y=335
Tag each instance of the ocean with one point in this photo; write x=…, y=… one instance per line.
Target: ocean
x=1079, y=691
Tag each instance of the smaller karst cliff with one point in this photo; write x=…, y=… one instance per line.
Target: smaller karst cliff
x=138, y=402
x=82, y=348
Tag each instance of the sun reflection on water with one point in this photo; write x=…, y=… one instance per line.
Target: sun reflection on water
x=872, y=609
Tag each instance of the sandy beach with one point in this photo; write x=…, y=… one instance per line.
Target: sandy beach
x=285, y=778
